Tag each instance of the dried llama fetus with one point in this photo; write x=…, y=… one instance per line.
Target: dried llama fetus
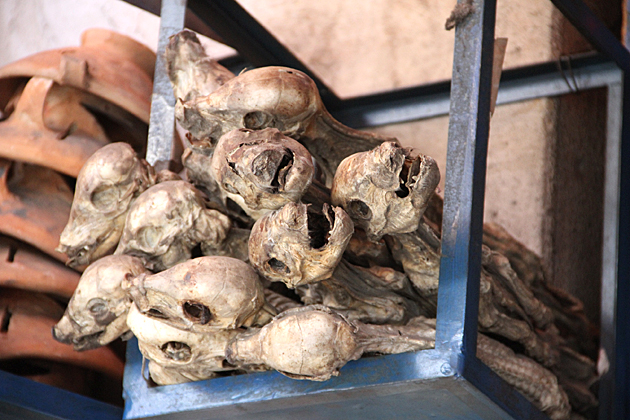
x=304, y=250
x=314, y=342
x=97, y=312
x=191, y=71
x=261, y=170
x=177, y=356
x=509, y=309
x=166, y=222
x=106, y=186
x=376, y=295
x=385, y=190
x=281, y=98
x=297, y=246
x=203, y=295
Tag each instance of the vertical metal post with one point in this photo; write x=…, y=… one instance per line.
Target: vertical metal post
x=162, y=120
x=462, y=225
x=621, y=401
x=610, y=246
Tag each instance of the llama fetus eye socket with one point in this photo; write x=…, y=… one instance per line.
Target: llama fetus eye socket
x=99, y=310
x=177, y=351
x=359, y=209
x=278, y=266
x=97, y=306
x=197, y=312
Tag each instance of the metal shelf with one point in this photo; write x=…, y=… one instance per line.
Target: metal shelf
x=24, y=399
x=433, y=383
x=449, y=381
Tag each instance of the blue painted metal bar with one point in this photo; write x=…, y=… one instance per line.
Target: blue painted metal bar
x=367, y=378
x=27, y=399
x=610, y=246
x=162, y=119
x=462, y=225
x=415, y=103
x=621, y=407
x=605, y=41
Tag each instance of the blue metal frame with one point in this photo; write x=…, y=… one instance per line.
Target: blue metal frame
x=370, y=382
x=448, y=381
x=24, y=399
x=616, y=385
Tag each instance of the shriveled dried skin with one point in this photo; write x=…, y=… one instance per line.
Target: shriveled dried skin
x=386, y=190
x=506, y=306
x=498, y=264
x=576, y=374
x=163, y=375
x=277, y=97
x=234, y=245
x=568, y=312
x=201, y=295
x=197, y=160
x=166, y=221
x=181, y=356
x=108, y=183
x=360, y=295
x=298, y=247
x=303, y=343
x=419, y=254
x=314, y=342
x=363, y=252
x=261, y=170
x=280, y=302
x=536, y=383
x=191, y=71
x=166, y=175
x=418, y=334
x=97, y=312
x=493, y=301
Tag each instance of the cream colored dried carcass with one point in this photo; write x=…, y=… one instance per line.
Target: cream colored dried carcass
x=297, y=247
x=261, y=170
x=314, y=342
x=204, y=294
x=275, y=97
x=385, y=190
x=177, y=356
x=108, y=183
x=167, y=221
x=97, y=312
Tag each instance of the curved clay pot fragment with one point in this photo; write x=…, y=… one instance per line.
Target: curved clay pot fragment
x=22, y=267
x=26, y=320
x=24, y=136
x=31, y=210
x=107, y=66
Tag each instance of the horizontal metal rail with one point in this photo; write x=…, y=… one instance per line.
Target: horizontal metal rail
x=522, y=84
